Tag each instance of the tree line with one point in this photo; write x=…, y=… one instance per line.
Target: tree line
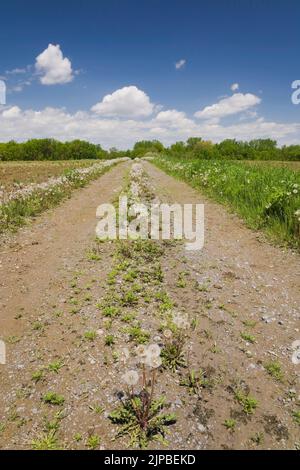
x=193, y=148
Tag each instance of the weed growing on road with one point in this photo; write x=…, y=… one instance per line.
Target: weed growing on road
x=140, y=414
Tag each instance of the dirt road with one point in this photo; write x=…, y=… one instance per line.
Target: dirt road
x=242, y=296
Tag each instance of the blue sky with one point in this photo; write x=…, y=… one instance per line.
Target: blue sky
x=105, y=46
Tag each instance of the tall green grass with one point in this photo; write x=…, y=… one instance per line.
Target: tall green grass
x=266, y=198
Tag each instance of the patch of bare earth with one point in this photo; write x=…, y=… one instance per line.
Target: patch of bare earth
x=56, y=286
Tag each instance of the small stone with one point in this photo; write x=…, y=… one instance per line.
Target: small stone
x=267, y=319
x=201, y=428
x=178, y=402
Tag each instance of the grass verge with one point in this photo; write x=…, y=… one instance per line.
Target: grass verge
x=266, y=198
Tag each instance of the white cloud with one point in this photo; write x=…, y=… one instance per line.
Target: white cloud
x=181, y=63
x=16, y=71
x=168, y=126
x=53, y=66
x=128, y=101
x=235, y=87
x=11, y=113
x=228, y=106
x=174, y=119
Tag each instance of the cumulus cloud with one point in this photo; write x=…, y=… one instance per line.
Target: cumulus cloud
x=235, y=87
x=234, y=104
x=181, y=63
x=53, y=67
x=11, y=113
x=172, y=118
x=168, y=126
x=128, y=101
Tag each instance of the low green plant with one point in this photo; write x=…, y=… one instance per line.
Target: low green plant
x=137, y=334
x=129, y=298
x=249, y=323
x=166, y=303
x=248, y=337
x=90, y=335
x=55, y=366
x=230, y=424
x=128, y=317
x=258, y=438
x=37, y=376
x=38, y=326
x=193, y=381
x=45, y=441
x=93, y=442
x=12, y=339
x=97, y=409
x=141, y=416
x=274, y=369
x=296, y=416
x=53, y=398
x=181, y=281
x=111, y=311
x=141, y=430
x=109, y=340
x=130, y=276
x=248, y=403
x=93, y=255
x=173, y=354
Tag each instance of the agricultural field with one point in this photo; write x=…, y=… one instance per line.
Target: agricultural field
x=18, y=174
x=294, y=166
x=35, y=192
x=119, y=344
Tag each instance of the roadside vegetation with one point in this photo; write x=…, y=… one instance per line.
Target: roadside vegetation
x=17, y=205
x=266, y=198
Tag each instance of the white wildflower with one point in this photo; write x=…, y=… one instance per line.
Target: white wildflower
x=153, y=361
x=131, y=377
x=181, y=320
x=141, y=352
x=167, y=334
x=153, y=350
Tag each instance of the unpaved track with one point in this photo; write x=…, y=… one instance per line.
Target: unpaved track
x=269, y=276
x=36, y=259
x=236, y=278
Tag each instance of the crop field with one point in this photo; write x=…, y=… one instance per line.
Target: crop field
x=16, y=174
x=36, y=193
x=294, y=166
